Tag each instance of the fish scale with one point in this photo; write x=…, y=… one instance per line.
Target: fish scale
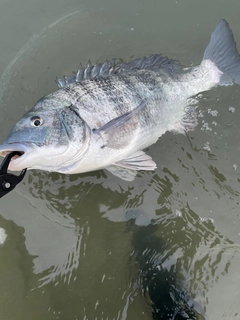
x=105, y=115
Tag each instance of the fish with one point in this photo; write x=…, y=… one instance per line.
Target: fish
x=107, y=114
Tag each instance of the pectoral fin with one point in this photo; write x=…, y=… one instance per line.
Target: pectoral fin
x=115, y=123
x=112, y=131
x=126, y=169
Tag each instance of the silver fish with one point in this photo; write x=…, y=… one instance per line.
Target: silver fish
x=106, y=114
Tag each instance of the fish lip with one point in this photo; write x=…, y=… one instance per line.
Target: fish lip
x=5, y=149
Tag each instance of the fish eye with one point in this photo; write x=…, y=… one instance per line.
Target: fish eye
x=36, y=121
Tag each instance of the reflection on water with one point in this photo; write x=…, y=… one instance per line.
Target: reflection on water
x=93, y=247
x=164, y=261
x=180, y=258
x=170, y=258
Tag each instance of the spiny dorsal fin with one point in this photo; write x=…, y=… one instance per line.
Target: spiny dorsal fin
x=100, y=70
x=103, y=70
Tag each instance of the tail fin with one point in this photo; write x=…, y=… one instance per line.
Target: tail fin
x=222, y=51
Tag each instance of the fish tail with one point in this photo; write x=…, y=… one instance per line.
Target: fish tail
x=222, y=53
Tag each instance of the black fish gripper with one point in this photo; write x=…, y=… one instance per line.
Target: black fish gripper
x=8, y=181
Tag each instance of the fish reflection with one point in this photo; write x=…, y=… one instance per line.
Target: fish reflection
x=181, y=258
x=165, y=260
x=15, y=269
x=58, y=235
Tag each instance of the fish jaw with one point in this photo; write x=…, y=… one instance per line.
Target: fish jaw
x=34, y=156
x=17, y=162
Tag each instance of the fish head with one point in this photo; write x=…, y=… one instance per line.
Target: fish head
x=51, y=136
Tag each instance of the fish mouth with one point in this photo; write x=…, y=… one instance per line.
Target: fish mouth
x=15, y=163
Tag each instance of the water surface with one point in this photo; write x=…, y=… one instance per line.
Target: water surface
x=91, y=246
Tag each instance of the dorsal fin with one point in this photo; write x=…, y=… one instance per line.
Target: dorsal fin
x=100, y=70
x=154, y=62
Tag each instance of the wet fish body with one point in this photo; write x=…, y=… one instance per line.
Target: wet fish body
x=105, y=115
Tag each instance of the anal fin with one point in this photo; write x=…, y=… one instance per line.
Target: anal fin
x=187, y=123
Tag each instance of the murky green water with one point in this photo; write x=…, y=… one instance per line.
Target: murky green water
x=91, y=246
